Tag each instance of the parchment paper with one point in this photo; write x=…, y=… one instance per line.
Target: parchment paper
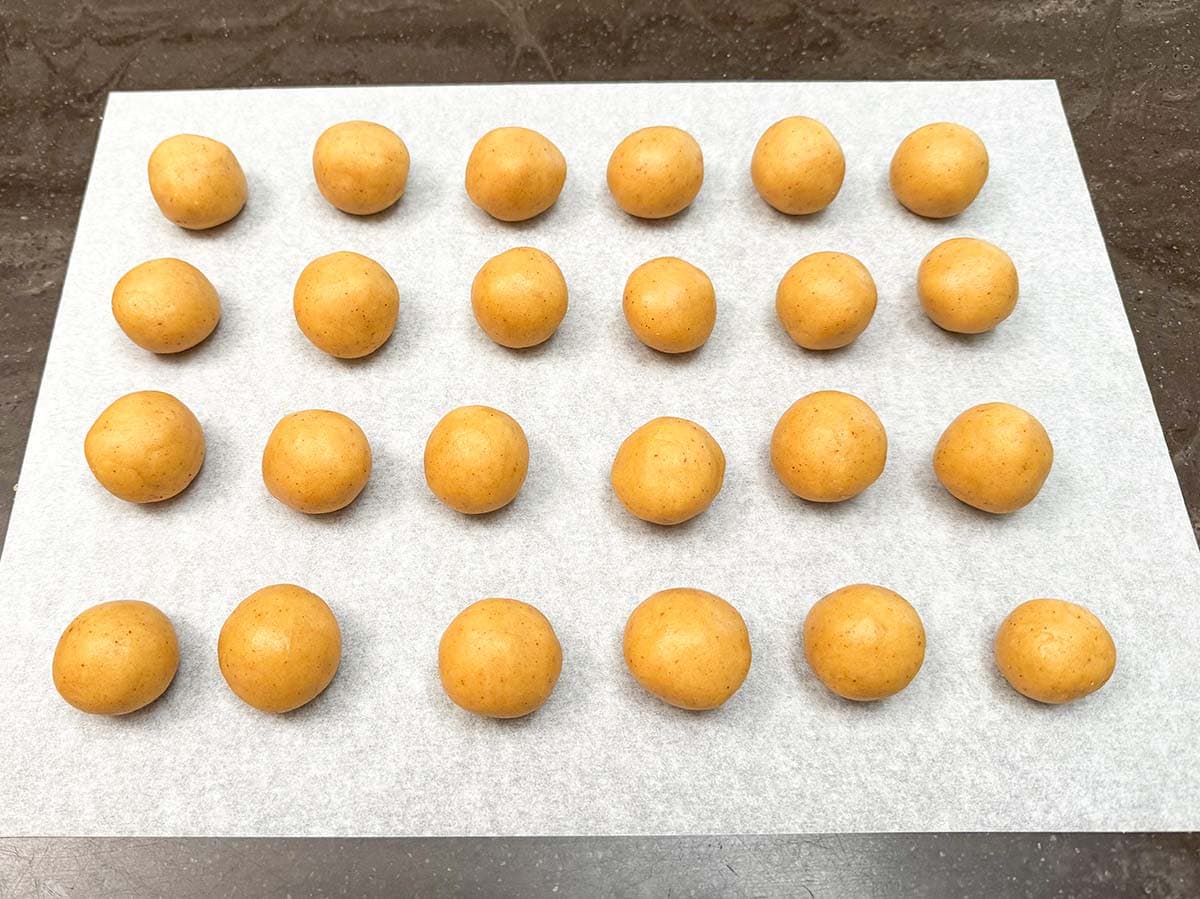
x=383, y=751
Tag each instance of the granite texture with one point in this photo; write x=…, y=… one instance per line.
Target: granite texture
x=1128, y=75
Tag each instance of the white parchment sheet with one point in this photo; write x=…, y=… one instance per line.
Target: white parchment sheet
x=383, y=751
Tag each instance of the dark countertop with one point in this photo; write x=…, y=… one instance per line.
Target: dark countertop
x=1129, y=79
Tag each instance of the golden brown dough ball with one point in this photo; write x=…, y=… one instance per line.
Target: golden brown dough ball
x=116, y=657
x=939, y=169
x=514, y=174
x=346, y=304
x=1054, y=651
x=196, y=181
x=500, y=658
x=668, y=470
x=798, y=166
x=670, y=305
x=656, y=172
x=828, y=447
x=826, y=300
x=476, y=459
x=316, y=461
x=280, y=648
x=994, y=457
x=967, y=285
x=864, y=642
x=360, y=167
x=145, y=447
x=519, y=297
x=165, y=305
x=688, y=647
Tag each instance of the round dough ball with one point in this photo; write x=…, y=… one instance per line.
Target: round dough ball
x=500, y=658
x=828, y=447
x=196, y=181
x=316, y=461
x=688, y=647
x=116, y=657
x=280, y=648
x=514, y=174
x=360, y=167
x=476, y=459
x=826, y=300
x=346, y=304
x=798, y=166
x=656, y=172
x=668, y=470
x=165, y=305
x=519, y=297
x=670, y=305
x=145, y=447
x=967, y=285
x=994, y=457
x=938, y=170
x=1054, y=651
x=864, y=642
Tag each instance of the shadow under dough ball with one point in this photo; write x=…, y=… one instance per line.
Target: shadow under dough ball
x=346, y=304
x=360, y=167
x=196, y=181
x=828, y=447
x=668, y=471
x=798, y=166
x=939, y=169
x=656, y=172
x=316, y=461
x=1054, y=651
x=514, y=174
x=476, y=459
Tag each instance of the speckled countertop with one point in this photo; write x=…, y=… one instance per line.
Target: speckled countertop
x=1128, y=75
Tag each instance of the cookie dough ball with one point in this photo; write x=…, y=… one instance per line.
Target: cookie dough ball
x=346, y=304
x=939, y=169
x=360, y=167
x=828, y=447
x=519, y=297
x=668, y=470
x=476, y=459
x=670, y=305
x=165, y=305
x=656, y=172
x=145, y=447
x=798, y=166
x=499, y=658
x=316, y=461
x=826, y=300
x=1054, y=651
x=196, y=181
x=514, y=174
x=994, y=457
x=280, y=648
x=864, y=642
x=967, y=285
x=115, y=658
x=688, y=647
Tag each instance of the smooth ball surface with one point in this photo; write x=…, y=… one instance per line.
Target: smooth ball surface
x=668, y=470
x=115, y=658
x=1054, y=651
x=798, y=166
x=165, y=305
x=656, y=172
x=994, y=457
x=864, y=642
x=346, y=304
x=939, y=169
x=967, y=285
x=519, y=297
x=280, y=648
x=826, y=300
x=476, y=459
x=499, y=658
x=316, y=461
x=360, y=167
x=196, y=181
x=670, y=305
x=145, y=447
x=828, y=447
x=514, y=174
x=688, y=647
